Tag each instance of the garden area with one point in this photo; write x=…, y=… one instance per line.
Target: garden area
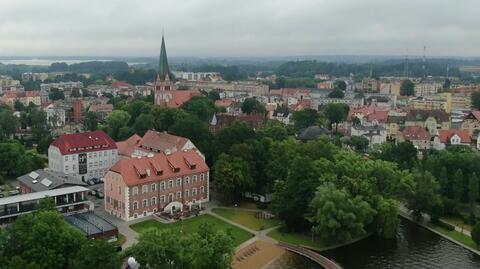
x=192, y=225
x=250, y=219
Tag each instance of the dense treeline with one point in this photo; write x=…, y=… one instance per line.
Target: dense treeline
x=451, y=176
x=387, y=68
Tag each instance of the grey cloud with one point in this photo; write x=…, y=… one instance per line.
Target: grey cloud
x=239, y=28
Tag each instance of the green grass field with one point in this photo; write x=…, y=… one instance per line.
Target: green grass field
x=246, y=218
x=192, y=225
x=298, y=239
x=462, y=238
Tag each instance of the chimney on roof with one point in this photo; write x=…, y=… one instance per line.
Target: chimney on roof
x=148, y=172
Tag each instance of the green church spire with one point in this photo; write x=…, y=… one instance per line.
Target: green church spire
x=163, y=70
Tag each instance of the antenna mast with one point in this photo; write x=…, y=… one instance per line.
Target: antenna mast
x=424, y=65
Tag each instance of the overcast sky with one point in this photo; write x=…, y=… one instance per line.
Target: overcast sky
x=239, y=28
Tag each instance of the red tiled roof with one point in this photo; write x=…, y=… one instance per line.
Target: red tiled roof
x=180, y=97
x=379, y=116
x=416, y=133
x=152, y=141
x=224, y=102
x=101, y=108
x=446, y=135
x=130, y=169
x=120, y=84
x=127, y=147
x=84, y=142
x=475, y=114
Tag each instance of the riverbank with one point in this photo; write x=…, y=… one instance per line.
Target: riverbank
x=437, y=231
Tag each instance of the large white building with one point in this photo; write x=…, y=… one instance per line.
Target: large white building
x=83, y=155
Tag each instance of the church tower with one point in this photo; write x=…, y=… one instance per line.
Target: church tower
x=163, y=86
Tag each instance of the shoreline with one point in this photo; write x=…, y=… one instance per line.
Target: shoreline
x=410, y=218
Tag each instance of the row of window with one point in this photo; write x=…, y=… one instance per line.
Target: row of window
x=171, y=184
x=90, y=155
x=168, y=198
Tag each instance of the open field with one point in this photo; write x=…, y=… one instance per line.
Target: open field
x=246, y=218
x=192, y=225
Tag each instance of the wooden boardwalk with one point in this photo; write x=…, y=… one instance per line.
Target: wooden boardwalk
x=312, y=255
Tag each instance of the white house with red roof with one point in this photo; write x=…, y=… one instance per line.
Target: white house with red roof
x=83, y=155
x=445, y=138
x=144, y=185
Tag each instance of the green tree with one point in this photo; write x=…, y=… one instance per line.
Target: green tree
x=476, y=234
x=231, y=178
x=19, y=106
x=291, y=195
x=252, y=105
x=200, y=106
x=337, y=216
x=213, y=95
x=56, y=94
x=403, y=153
x=205, y=249
x=8, y=124
x=336, y=113
x=76, y=93
x=143, y=123
x=115, y=121
x=305, y=118
x=458, y=186
x=387, y=218
x=360, y=143
x=236, y=133
x=425, y=193
x=46, y=204
x=336, y=93
x=91, y=121
x=475, y=99
x=407, y=88
x=43, y=240
x=340, y=84
x=96, y=254
x=473, y=189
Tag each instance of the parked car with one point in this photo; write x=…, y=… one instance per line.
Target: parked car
x=96, y=180
x=100, y=195
x=14, y=192
x=93, y=192
x=90, y=182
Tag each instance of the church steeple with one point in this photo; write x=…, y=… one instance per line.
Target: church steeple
x=163, y=70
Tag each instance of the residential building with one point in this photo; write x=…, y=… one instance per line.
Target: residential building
x=445, y=138
x=197, y=76
x=142, y=186
x=153, y=142
x=103, y=110
x=231, y=89
x=55, y=115
x=433, y=120
x=461, y=101
x=24, y=97
x=45, y=179
x=427, y=88
x=419, y=137
x=390, y=87
x=370, y=85
x=471, y=123
x=83, y=155
x=375, y=134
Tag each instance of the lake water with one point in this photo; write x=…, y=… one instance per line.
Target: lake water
x=415, y=247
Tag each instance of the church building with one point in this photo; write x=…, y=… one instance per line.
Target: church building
x=166, y=93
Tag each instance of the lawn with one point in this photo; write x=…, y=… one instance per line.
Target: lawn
x=462, y=238
x=192, y=225
x=297, y=239
x=458, y=222
x=246, y=218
